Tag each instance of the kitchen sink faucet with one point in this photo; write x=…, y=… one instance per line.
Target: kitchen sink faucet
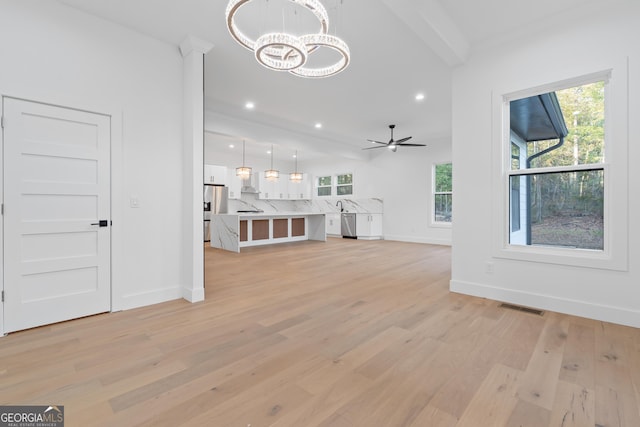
x=340, y=202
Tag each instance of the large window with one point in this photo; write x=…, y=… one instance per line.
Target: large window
x=442, y=193
x=557, y=172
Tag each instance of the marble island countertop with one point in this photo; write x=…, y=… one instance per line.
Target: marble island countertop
x=272, y=214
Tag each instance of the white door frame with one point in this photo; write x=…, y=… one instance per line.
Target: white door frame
x=116, y=195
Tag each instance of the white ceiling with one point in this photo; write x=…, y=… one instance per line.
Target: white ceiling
x=398, y=49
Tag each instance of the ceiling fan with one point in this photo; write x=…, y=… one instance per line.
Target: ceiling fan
x=392, y=144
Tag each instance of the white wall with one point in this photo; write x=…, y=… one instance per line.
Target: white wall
x=583, y=44
x=55, y=54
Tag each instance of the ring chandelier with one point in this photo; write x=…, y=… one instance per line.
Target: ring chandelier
x=286, y=52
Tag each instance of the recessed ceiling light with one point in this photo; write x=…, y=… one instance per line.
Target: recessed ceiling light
x=231, y=145
x=268, y=151
x=249, y=105
x=420, y=97
x=318, y=125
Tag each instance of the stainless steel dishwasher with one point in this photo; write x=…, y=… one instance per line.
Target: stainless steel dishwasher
x=348, y=225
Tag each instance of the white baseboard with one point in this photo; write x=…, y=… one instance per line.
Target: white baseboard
x=193, y=295
x=142, y=299
x=589, y=310
x=412, y=239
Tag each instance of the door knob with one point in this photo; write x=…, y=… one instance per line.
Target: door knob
x=102, y=223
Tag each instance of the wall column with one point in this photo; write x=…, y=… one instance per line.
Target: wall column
x=193, y=51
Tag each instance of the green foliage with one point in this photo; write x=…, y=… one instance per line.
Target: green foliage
x=345, y=179
x=444, y=177
x=324, y=180
x=583, y=112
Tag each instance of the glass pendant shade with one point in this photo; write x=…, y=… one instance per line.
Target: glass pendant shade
x=272, y=174
x=296, y=176
x=244, y=172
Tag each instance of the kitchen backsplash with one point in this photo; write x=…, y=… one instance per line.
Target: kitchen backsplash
x=251, y=202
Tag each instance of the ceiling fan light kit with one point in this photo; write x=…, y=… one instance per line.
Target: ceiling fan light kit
x=282, y=51
x=393, y=145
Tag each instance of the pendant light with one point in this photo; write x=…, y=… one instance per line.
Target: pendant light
x=272, y=174
x=243, y=171
x=296, y=176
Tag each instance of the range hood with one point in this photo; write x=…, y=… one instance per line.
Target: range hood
x=247, y=186
x=248, y=189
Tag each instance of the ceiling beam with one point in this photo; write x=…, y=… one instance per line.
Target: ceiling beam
x=233, y=126
x=431, y=23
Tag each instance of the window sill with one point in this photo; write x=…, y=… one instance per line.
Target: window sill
x=568, y=257
x=437, y=224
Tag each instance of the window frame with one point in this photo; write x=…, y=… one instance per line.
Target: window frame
x=614, y=256
x=334, y=185
x=344, y=185
x=318, y=186
x=434, y=193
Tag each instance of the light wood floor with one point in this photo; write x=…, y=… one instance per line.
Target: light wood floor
x=335, y=334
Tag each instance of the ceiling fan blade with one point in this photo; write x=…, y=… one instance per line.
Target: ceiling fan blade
x=377, y=142
x=403, y=140
x=413, y=145
x=378, y=146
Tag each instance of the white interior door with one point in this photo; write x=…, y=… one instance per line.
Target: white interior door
x=56, y=192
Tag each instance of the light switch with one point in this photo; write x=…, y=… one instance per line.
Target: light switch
x=134, y=202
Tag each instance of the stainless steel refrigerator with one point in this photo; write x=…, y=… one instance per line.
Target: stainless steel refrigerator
x=215, y=199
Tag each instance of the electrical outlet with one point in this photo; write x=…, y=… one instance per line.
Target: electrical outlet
x=488, y=268
x=134, y=202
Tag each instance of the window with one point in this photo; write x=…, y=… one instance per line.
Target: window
x=442, y=193
x=324, y=186
x=340, y=185
x=551, y=203
x=345, y=185
x=557, y=171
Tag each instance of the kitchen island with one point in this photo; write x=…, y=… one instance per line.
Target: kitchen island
x=234, y=231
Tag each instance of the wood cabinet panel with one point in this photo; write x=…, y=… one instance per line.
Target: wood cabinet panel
x=243, y=230
x=260, y=229
x=297, y=227
x=280, y=228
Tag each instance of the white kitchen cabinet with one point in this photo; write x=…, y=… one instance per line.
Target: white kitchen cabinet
x=332, y=225
x=299, y=190
x=234, y=183
x=214, y=174
x=369, y=226
x=270, y=190
x=283, y=188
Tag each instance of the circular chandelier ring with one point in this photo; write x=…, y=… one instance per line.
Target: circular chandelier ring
x=284, y=42
x=324, y=40
x=314, y=6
